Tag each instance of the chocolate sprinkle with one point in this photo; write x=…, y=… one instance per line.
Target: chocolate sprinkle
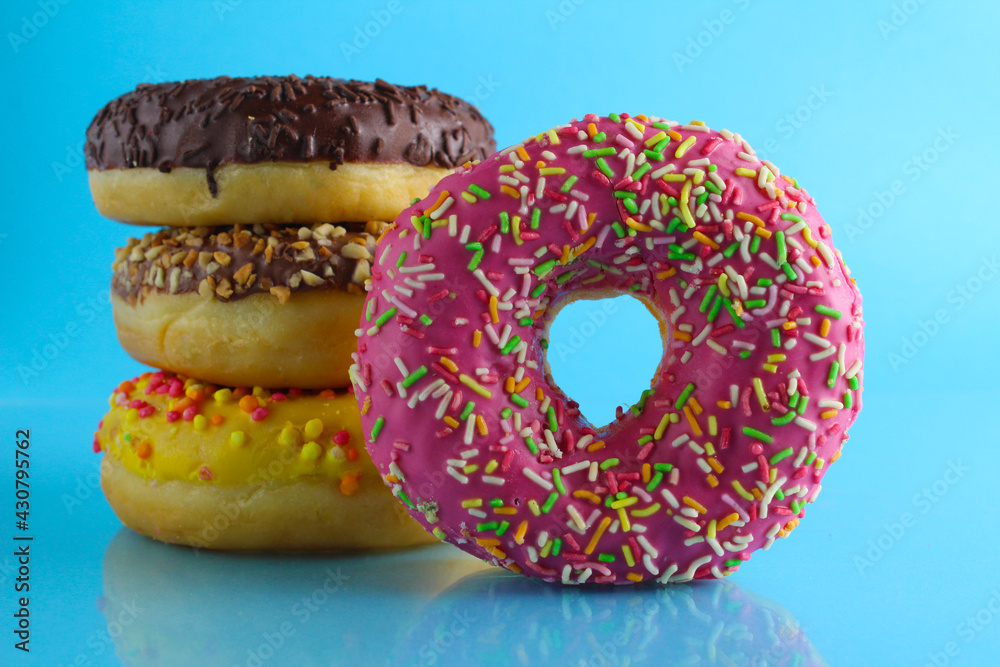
x=210, y=122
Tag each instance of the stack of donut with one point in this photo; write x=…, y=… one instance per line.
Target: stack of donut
x=270, y=192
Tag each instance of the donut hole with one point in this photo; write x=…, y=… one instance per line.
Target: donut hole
x=604, y=352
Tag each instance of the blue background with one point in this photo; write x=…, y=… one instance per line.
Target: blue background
x=884, y=111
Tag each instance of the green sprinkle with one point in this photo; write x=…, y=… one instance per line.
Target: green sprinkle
x=810, y=458
x=467, y=410
x=853, y=383
x=829, y=312
x=848, y=400
x=550, y=502
x=568, y=183
x=641, y=171
x=712, y=187
x=426, y=320
x=402, y=258
x=702, y=198
x=504, y=525
x=543, y=269
x=716, y=307
x=793, y=400
x=414, y=376
x=553, y=422
x=802, y=405
x=654, y=481
x=525, y=321
x=563, y=277
x=713, y=288
x=377, y=428
x=624, y=194
x=658, y=125
x=713, y=167
x=682, y=399
x=518, y=401
x=831, y=379
x=556, y=546
x=731, y=250
x=536, y=216
x=537, y=292
x=791, y=216
x=598, y=152
x=505, y=413
x=477, y=256
x=619, y=230
x=776, y=337
x=755, y=303
x=599, y=137
x=496, y=502
x=789, y=271
x=653, y=155
x=663, y=143
x=557, y=481
x=765, y=282
x=609, y=463
x=754, y=244
x=784, y=419
x=783, y=454
x=426, y=225
x=759, y=435
x=385, y=317
x=479, y=192
x=504, y=222
x=663, y=467
x=745, y=354
x=605, y=169
x=630, y=206
x=737, y=320
x=487, y=525
x=606, y=558
x=782, y=249
x=733, y=562
x=405, y=498
x=511, y=344
x=414, y=200
x=532, y=447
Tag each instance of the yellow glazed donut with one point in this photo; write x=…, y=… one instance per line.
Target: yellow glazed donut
x=275, y=149
x=191, y=463
x=242, y=306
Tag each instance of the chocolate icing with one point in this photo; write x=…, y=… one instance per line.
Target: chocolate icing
x=205, y=123
x=228, y=263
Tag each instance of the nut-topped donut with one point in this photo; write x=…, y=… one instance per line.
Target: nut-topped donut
x=275, y=149
x=266, y=305
x=759, y=380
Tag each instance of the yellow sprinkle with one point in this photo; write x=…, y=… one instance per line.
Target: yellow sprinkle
x=366, y=405
x=477, y=338
x=697, y=122
x=771, y=358
x=695, y=405
x=646, y=511
x=467, y=196
x=740, y=490
x=471, y=468
x=627, y=551
x=222, y=395
x=710, y=530
x=807, y=235
x=770, y=368
x=450, y=421
x=237, y=438
x=553, y=137
x=506, y=169
x=707, y=241
x=516, y=229
x=725, y=405
x=758, y=388
x=494, y=316
x=449, y=364
x=692, y=420
x=491, y=466
x=481, y=425
x=656, y=138
x=685, y=145
x=685, y=212
x=505, y=510
x=710, y=449
x=638, y=126
x=694, y=504
x=552, y=171
x=623, y=517
x=788, y=326
x=310, y=451
x=713, y=425
x=472, y=502
x=605, y=522
x=314, y=428
x=289, y=436
x=673, y=178
x=827, y=414
x=624, y=502
x=522, y=528
x=743, y=171
x=200, y=423
x=824, y=327
x=533, y=506
x=583, y=493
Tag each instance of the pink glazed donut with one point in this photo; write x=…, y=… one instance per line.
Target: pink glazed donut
x=759, y=380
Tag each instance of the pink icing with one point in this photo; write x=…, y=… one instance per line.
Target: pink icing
x=714, y=461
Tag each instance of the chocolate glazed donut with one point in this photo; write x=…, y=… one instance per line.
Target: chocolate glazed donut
x=312, y=149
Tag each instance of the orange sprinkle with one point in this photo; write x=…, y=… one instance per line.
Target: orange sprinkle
x=565, y=255
x=714, y=463
x=756, y=493
x=352, y=454
x=496, y=552
x=788, y=326
x=514, y=567
x=752, y=218
x=594, y=446
x=521, y=530
x=217, y=419
x=605, y=522
x=450, y=421
x=539, y=394
x=449, y=364
x=440, y=200
x=682, y=335
x=726, y=520
x=143, y=450
x=507, y=190
x=694, y=504
x=640, y=227
x=695, y=405
x=523, y=153
x=691, y=420
x=520, y=386
x=481, y=425
x=494, y=316
x=828, y=414
x=725, y=405
x=240, y=392
x=477, y=338
x=349, y=484
x=328, y=393
x=583, y=493
x=367, y=405
x=824, y=327
x=674, y=134
x=645, y=473
x=666, y=274
x=583, y=247
x=126, y=386
x=505, y=510
x=487, y=541
x=707, y=241
x=591, y=129
x=815, y=260
x=634, y=576
x=760, y=231
x=712, y=480
x=836, y=455
x=508, y=384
